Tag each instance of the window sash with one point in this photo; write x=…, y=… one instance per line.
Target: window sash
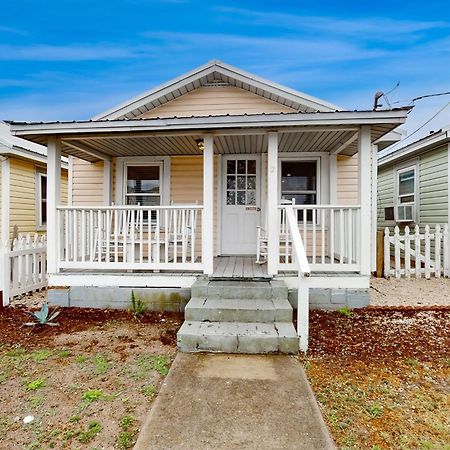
x=41, y=201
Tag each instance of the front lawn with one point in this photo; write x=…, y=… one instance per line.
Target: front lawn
x=87, y=384
x=382, y=376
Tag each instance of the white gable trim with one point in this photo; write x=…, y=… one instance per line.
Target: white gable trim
x=193, y=76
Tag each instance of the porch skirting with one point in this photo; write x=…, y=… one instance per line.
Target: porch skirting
x=175, y=299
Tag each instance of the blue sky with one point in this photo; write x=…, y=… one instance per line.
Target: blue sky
x=73, y=59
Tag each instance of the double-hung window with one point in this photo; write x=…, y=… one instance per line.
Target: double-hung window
x=299, y=183
x=143, y=185
x=41, y=200
x=406, y=194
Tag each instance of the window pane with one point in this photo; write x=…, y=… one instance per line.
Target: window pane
x=251, y=198
x=251, y=182
x=231, y=182
x=231, y=166
x=241, y=165
x=231, y=197
x=407, y=199
x=406, y=182
x=143, y=179
x=241, y=182
x=43, y=213
x=301, y=199
x=43, y=187
x=144, y=200
x=240, y=198
x=251, y=166
x=298, y=176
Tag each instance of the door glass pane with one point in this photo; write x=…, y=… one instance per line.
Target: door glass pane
x=231, y=197
x=298, y=176
x=144, y=200
x=143, y=179
x=241, y=182
x=240, y=198
x=231, y=182
x=241, y=166
x=251, y=182
x=251, y=166
x=407, y=199
x=231, y=166
x=301, y=199
x=251, y=198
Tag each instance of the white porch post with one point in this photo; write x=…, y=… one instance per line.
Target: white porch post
x=374, y=168
x=53, y=200
x=364, y=188
x=272, y=204
x=208, y=205
x=107, y=182
x=4, y=232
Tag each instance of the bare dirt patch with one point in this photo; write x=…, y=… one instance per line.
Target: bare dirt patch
x=382, y=376
x=88, y=383
x=410, y=292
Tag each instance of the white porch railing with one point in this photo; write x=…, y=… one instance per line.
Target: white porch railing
x=24, y=266
x=304, y=272
x=330, y=236
x=417, y=254
x=129, y=238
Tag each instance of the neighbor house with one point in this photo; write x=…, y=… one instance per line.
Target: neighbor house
x=413, y=187
x=176, y=191
x=23, y=178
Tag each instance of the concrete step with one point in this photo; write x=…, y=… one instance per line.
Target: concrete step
x=240, y=289
x=214, y=309
x=237, y=337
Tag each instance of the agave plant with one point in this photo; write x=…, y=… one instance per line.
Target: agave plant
x=42, y=317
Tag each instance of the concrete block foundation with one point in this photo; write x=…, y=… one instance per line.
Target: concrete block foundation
x=333, y=299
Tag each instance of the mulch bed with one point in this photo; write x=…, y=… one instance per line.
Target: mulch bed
x=381, y=333
x=13, y=331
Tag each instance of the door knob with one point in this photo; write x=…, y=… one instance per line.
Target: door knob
x=258, y=209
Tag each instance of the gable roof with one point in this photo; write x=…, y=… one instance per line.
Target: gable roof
x=216, y=73
x=417, y=147
x=22, y=148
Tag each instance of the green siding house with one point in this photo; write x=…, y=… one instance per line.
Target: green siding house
x=413, y=187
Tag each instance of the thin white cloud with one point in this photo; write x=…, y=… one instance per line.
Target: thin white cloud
x=12, y=30
x=71, y=52
x=381, y=28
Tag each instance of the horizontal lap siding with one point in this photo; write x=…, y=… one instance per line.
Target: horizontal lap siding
x=347, y=180
x=23, y=195
x=186, y=186
x=217, y=101
x=433, y=176
x=87, y=189
x=385, y=197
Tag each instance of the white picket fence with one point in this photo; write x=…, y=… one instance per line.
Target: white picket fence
x=25, y=266
x=417, y=254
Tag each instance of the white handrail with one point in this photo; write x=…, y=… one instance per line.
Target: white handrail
x=128, y=208
x=297, y=243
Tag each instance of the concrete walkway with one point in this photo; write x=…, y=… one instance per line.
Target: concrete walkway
x=235, y=402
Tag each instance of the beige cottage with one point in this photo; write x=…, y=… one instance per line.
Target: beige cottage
x=218, y=174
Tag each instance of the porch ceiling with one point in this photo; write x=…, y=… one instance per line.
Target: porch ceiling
x=319, y=132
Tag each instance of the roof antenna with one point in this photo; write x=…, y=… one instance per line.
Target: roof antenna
x=377, y=97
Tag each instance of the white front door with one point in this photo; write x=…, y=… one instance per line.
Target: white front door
x=241, y=195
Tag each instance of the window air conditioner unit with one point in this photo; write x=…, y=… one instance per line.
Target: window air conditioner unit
x=405, y=213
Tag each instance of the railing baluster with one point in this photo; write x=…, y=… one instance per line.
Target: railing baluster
x=141, y=236
x=331, y=235
x=349, y=236
x=313, y=217
x=158, y=238
x=166, y=236
x=341, y=236
x=322, y=231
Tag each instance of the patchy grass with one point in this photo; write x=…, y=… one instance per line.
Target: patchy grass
x=382, y=380
x=87, y=389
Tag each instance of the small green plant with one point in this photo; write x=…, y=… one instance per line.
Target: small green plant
x=375, y=411
x=126, y=439
x=43, y=317
x=138, y=307
x=93, y=429
x=412, y=362
x=345, y=311
x=36, y=401
x=149, y=391
x=152, y=362
x=75, y=419
x=101, y=364
x=92, y=395
x=81, y=359
x=126, y=422
x=35, y=385
x=65, y=353
x=41, y=355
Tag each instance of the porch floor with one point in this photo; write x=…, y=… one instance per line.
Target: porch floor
x=238, y=267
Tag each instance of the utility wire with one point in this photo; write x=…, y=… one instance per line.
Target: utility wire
x=430, y=95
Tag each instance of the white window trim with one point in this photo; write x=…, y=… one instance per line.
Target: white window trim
x=40, y=173
x=399, y=169
x=123, y=162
